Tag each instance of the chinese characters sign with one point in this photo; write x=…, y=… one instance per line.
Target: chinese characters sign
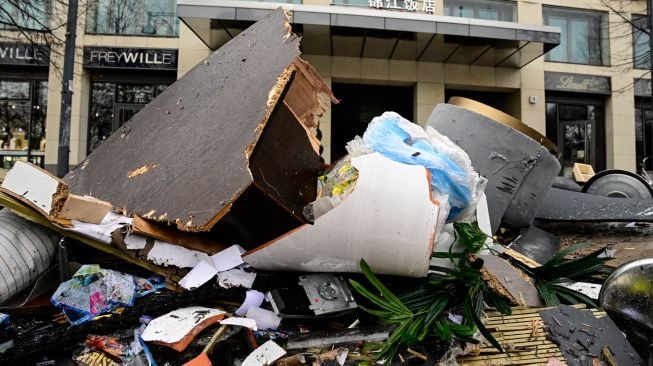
x=424, y=6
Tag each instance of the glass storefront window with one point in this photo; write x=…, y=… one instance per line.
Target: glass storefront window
x=113, y=104
x=641, y=46
x=133, y=17
x=583, y=36
x=490, y=10
x=25, y=15
x=23, y=106
x=644, y=136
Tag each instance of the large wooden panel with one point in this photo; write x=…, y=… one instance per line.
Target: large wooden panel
x=184, y=157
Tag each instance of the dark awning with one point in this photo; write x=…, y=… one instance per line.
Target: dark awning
x=362, y=32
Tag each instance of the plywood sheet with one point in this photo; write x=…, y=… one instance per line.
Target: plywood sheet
x=389, y=220
x=184, y=157
x=36, y=187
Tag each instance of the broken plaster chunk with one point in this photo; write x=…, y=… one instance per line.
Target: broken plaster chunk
x=166, y=254
x=266, y=354
x=198, y=276
x=179, y=327
x=265, y=319
x=236, y=278
x=252, y=298
x=228, y=258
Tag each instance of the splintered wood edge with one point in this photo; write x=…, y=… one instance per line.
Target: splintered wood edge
x=495, y=285
x=513, y=254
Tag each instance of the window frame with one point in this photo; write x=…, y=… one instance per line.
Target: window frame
x=482, y=5
x=645, y=64
x=44, y=22
x=92, y=25
x=597, y=21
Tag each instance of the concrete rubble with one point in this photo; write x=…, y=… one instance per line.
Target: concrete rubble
x=453, y=244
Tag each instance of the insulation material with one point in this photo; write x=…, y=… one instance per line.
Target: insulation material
x=179, y=327
x=388, y=219
x=26, y=250
x=166, y=254
x=236, y=278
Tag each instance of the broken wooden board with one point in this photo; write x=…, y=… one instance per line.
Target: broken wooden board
x=84, y=208
x=162, y=232
x=522, y=336
x=509, y=282
x=581, y=335
x=232, y=124
x=29, y=213
x=389, y=220
x=35, y=187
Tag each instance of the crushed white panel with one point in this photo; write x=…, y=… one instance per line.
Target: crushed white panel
x=252, y=298
x=228, y=258
x=236, y=278
x=265, y=319
x=174, y=326
x=590, y=290
x=389, y=220
x=241, y=322
x=102, y=231
x=32, y=183
x=266, y=354
x=166, y=254
x=135, y=241
x=198, y=276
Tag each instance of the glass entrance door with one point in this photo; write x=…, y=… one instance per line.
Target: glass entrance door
x=123, y=113
x=576, y=141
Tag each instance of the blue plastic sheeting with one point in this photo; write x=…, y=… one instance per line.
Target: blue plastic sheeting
x=386, y=136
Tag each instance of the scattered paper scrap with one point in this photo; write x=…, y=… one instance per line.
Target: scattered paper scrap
x=102, y=231
x=198, y=276
x=236, y=278
x=228, y=258
x=252, y=298
x=241, y=322
x=167, y=254
x=267, y=353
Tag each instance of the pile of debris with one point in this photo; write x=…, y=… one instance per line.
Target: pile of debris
x=205, y=231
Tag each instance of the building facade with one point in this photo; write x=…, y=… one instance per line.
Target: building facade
x=576, y=71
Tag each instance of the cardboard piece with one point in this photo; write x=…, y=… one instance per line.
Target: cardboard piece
x=36, y=187
x=583, y=172
x=178, y=328
x=84, y=209
x=389, y=220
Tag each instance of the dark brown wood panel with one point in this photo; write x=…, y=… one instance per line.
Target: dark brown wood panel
x=183, y=158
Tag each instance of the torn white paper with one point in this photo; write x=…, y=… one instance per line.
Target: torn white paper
x=228, y=258
x=198, y=276
x=252, y=298
x=167, y=254
x=102, y=231
x=172, y=327
x=265, y=319
x=241, y=322
x=590, y=290
x=135, y=241
x=266, y=354
x=236, y=278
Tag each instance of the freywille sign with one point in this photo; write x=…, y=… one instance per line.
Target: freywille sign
x=130, y=58
x=424, y=6
x=577, y=83
x=24, y=54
